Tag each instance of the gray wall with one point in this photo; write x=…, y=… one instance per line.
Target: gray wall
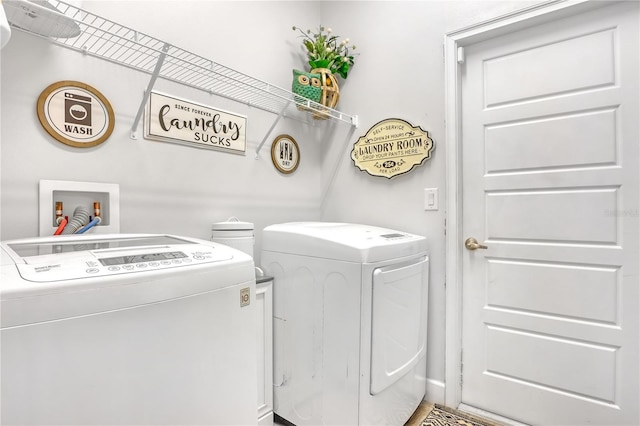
x=182, y=190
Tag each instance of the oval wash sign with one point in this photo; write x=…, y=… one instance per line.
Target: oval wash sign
x=391, y=147
x=75, y=114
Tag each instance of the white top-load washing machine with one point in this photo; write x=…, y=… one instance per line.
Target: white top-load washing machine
x=350, y=322
x=127, y=329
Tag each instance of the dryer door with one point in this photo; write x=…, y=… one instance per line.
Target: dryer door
x=399, y=321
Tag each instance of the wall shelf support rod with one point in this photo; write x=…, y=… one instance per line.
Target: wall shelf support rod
x=147, y=93
x=264, y=139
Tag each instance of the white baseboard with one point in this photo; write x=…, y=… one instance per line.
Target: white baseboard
x=435, y=392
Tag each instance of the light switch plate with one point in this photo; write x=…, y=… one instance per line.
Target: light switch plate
x=431, y=198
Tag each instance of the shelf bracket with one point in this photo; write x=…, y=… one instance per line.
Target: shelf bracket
x=271, y=129
x=147, y=93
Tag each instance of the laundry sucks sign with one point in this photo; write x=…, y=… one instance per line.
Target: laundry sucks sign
x=176, y=120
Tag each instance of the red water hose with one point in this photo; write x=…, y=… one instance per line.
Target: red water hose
x=63, y=223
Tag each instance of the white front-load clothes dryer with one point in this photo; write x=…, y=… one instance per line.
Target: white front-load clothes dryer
x=127, y=330
x=350, y=322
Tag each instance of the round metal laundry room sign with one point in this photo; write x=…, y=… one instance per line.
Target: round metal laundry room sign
x=75, y=114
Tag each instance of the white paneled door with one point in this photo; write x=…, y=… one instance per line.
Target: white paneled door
x=550, y=159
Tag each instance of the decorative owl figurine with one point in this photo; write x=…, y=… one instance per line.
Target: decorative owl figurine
x=307, y=85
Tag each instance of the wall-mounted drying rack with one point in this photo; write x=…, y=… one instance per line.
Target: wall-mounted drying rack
x=85, y=32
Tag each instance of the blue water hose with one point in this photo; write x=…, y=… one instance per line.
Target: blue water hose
x=96, y=220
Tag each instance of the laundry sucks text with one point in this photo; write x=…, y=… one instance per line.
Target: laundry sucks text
x=211, y=128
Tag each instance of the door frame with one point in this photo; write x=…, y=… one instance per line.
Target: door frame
x=543, y=12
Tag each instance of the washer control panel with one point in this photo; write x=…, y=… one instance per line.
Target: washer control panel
x=67, y=260
x=150, y=259
x=121, y=264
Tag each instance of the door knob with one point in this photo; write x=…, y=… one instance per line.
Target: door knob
x=473, y=244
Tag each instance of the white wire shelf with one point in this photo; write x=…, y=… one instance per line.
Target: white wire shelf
x=108, y=40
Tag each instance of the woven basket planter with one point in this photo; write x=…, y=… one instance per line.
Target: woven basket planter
x=330, y=90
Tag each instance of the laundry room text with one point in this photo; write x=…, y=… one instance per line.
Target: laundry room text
x=391, y=147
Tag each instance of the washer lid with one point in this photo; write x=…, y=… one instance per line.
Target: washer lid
x=74, y=275
x=341, y=241
x=55, y=263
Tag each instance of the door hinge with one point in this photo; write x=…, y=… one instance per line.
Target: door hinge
x=460, y=55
